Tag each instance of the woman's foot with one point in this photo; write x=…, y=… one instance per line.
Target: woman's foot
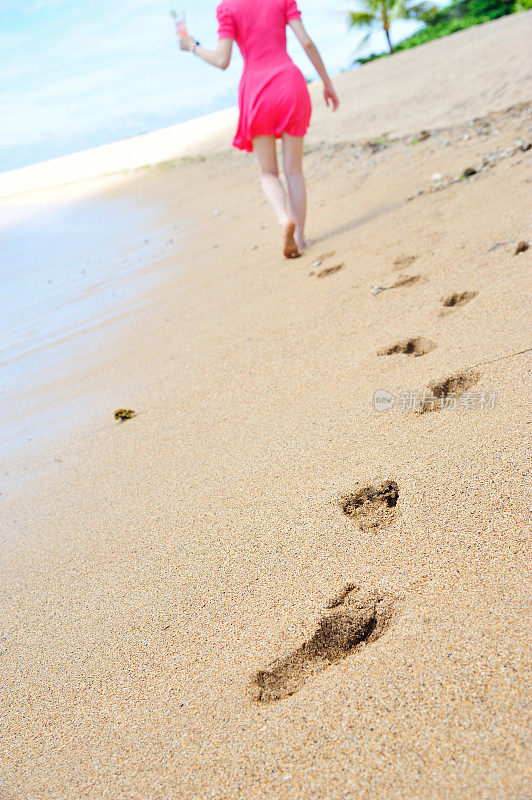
x=291, y=249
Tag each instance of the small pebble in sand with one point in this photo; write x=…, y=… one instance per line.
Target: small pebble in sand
x=317, y=264
x=437, y=177
x=522, y=247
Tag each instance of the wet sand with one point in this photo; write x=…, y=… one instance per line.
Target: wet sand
x=187, y=609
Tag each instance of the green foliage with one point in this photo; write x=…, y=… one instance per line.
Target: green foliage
x=458, y=15
x=381, y=13
x=428, y=34
x=372, y=57
x=480, y=10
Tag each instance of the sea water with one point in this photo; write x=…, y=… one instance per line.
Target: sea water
x=71, y=272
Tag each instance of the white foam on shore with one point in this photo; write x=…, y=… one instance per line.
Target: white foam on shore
x=177, y=141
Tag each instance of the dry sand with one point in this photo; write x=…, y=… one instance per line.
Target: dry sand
x=150, y=568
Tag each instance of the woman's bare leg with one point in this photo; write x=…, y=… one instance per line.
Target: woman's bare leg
x=266, y=153
x=297, y=192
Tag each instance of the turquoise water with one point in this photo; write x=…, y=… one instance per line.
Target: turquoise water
x=77, y=75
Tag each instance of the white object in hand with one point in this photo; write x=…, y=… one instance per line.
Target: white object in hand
x=180, y=20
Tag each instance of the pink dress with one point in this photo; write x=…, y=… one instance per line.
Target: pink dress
x=273, y=96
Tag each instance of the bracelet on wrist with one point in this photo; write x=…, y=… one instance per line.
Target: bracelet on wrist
x=195, y=47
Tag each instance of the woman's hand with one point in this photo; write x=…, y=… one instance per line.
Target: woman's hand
x=220, y=58
x=185, y=42
x=331, y=98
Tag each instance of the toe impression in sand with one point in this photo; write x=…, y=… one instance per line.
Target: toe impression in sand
x=445, y=393
x=371, y=506
x=409, y=347
x=458, y=299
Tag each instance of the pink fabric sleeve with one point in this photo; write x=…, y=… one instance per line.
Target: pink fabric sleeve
x=226, y=26
x=292, y=11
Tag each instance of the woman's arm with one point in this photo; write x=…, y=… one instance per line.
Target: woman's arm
x=220, y=58
x=331, y=98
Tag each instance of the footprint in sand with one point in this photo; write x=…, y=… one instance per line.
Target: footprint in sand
x=371, y=506
x=403, y=262
x=328, y=271
x=409, y=347
x=458, y=299
x=408, y=280
x=444, y=393
x=353, y=618
x=403, y=280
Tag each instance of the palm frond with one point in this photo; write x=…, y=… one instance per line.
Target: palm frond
x=422, y=10
x=382, y=13
x=398, y=10
x=362, y=42
x=359, y=19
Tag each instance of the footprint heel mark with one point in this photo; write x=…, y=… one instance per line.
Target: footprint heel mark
x=447, y=390
x=409, y=347
x=324, y=273
x=403, y=262
x=318, y=262
x=408, y=280
x=354, y=617
x=458, y=299
x=371, y=506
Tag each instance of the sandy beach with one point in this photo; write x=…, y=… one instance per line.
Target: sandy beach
x=201, y=601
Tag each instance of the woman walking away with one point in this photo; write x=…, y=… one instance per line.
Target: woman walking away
x=273, y=99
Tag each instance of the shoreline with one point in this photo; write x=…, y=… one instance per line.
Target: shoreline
x=127, y=155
